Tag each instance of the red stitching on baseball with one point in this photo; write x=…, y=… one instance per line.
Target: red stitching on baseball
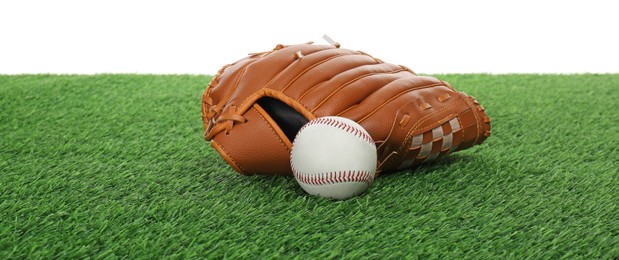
x=333, y=177
x=341, y=125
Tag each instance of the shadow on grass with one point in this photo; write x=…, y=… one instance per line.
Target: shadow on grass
x=216, y=170
x=430, y=167
x=225, y=171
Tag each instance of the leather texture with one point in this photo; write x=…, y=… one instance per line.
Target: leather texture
x=412, y=118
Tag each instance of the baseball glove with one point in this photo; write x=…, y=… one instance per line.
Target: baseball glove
x=253, y=108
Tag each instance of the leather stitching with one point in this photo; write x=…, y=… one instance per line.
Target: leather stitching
x=396, y=96
x=315, y=86
x=315, y=65
x=425, y=118
x=353, y=106
x=477, y=121
x=353, y=81
x=269, y=92
x=293, y=62
x=237, y=80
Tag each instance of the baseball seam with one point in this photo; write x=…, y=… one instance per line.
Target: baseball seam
x=335, y=177
x=343, y=126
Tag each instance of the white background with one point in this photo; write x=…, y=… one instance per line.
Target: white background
x=198, y=37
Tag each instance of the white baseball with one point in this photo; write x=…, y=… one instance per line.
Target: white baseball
x=333, y=157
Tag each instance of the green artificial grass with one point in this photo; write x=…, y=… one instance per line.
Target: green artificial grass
x=115, y=166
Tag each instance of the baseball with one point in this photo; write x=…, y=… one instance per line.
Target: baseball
x=333, y=157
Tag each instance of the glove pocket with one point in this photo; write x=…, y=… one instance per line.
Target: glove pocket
x=257, y=146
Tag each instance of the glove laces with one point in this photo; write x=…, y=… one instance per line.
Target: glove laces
x=224, y=122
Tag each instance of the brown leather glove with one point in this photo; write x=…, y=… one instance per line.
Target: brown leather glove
x=253, y=108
